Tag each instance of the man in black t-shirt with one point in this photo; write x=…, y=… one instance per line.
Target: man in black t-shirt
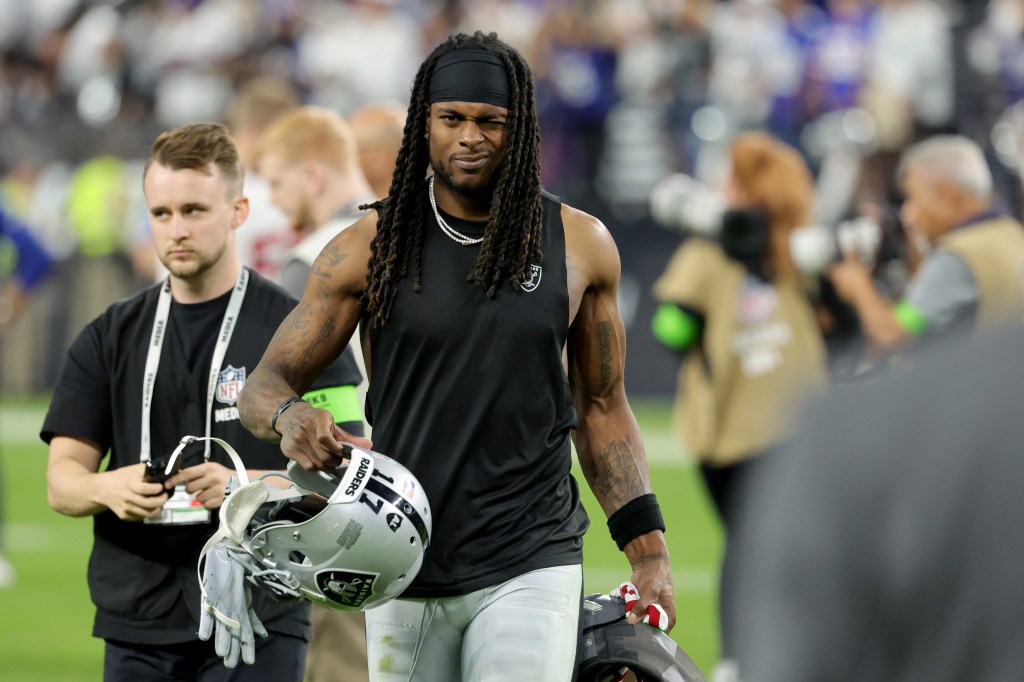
x=489, y=312
x=166, y=363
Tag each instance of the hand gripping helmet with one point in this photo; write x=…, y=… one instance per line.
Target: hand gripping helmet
x=612, y=648
x=349, y=539
x=353, y=540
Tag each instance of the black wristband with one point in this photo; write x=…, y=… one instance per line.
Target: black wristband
x=280, y=410
x=638, y=516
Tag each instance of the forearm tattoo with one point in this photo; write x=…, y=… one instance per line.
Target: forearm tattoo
x=300, y=318
x=614, y=473
x=322, y=334
x=648, y=556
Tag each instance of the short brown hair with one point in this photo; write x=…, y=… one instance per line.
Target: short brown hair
x=311, y=133
x=194, y=147
x=774, y=177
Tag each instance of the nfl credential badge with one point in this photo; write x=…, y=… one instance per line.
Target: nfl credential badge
x=533, y=281
x=229, y=384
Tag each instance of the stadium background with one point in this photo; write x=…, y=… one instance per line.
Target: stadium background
x=628, y=92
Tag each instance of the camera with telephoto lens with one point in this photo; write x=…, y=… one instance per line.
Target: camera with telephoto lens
x=682, y=203
x=815, y=247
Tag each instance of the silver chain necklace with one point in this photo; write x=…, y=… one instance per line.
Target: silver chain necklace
x=452, y=233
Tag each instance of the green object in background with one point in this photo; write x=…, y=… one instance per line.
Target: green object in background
x=341, y=401
x=910, y=318
x=96, y=204
x=674, y=327
x=8, y=258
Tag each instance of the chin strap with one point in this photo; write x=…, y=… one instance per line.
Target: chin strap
x=185, y=441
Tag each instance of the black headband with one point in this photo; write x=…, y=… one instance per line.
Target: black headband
x=470, y=76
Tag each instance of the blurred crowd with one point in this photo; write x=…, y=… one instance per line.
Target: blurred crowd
x=771, y=130
x=629, y=91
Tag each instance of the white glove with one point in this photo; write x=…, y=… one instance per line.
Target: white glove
x=227, y=607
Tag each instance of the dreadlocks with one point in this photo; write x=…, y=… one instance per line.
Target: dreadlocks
x=512, y=236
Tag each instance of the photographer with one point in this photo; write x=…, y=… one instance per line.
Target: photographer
x=971, y=281
x=735, y=306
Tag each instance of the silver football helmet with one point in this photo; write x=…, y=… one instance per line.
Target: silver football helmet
x=349, y=539
x=354, y=539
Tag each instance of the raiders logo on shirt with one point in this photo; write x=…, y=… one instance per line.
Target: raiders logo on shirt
x=531, y=283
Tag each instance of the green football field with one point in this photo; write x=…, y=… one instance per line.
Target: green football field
x=46, y=617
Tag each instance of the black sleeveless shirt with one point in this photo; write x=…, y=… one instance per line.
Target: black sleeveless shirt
x=471, y=395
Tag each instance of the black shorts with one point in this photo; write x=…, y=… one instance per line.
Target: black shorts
x=278, y=657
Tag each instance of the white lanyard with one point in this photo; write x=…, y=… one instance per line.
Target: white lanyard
x=156, y=340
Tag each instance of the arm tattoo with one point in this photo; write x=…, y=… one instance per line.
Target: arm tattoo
x=330, y=258
x=300, y=317
x=604, y=334
x=649, y=556
x=322, y=334
x=615, y=473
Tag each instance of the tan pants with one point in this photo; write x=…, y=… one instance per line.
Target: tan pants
x=338, y=650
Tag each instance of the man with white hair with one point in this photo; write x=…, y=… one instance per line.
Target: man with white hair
x=972, y=280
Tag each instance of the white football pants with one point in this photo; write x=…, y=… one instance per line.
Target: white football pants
x=524, y=629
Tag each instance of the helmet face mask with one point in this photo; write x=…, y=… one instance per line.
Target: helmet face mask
x=613, y=650
x=350, y=539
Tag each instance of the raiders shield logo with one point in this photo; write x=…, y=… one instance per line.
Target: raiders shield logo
x=229, y=384
x=346, y=588
x=533, y=281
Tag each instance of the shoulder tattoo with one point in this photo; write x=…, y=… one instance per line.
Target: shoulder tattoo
x=329, y=258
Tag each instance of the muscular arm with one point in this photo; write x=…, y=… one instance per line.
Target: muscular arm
x=308, y=340
x=608, y=441
x=76, y=487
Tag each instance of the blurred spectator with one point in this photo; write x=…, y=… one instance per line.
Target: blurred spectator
x=736, y=309
x=28, y=265
x=990, y=89
x=839, y=56
x=685, y=44
x=637, y=149
x=883, y=543
x=574, y=64
x=266, y=235
x=378, y=132
x=910, y=77
x=629, y=90
x=358, y=51
x=98, y=213
x=516, y=21
x=971, y=280
x=24, y=265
